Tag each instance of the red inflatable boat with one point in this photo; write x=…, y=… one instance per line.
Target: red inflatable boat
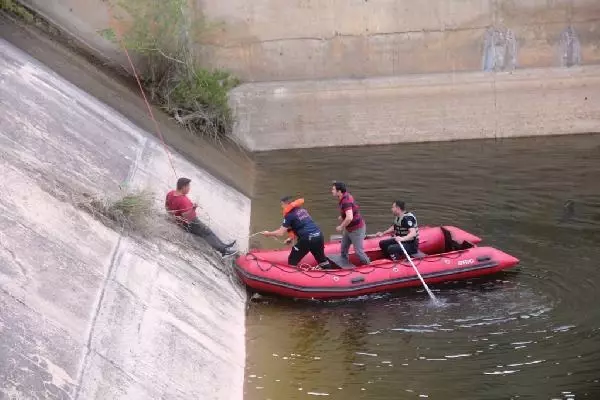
x=445, y=254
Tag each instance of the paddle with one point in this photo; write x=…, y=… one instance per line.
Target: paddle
x=417, y=271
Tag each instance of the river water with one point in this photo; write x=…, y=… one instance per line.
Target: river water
x=529, y=333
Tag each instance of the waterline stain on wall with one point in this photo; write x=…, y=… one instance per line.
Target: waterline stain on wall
x=499, y=50
x=569, y=48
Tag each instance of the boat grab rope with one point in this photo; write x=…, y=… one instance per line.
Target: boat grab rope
x=364, y=270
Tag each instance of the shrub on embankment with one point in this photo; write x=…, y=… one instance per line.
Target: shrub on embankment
x=132, y=211
x=162, y=34
x=15, y=8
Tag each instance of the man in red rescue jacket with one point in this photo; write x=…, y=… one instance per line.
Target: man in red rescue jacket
x=298, y=223
x=179, y=205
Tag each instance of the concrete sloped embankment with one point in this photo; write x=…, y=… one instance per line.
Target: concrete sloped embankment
x=86, y=312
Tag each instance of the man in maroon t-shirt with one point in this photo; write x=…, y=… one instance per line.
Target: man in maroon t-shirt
x=353, y=225
x=180, y=206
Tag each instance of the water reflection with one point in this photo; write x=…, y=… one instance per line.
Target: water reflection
x=352, y=339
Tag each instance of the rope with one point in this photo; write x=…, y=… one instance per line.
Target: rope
x=244, y=237
x=258, y=233
x=307, y=267
x=364, y=270
x=180, y=220
x=137, y=78
x=249, y=236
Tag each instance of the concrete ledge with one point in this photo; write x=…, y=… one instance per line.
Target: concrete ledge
x=417, y=108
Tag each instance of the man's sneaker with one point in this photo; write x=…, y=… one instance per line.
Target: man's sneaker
x=329, y=266
x=230, y=244
x=228, y=252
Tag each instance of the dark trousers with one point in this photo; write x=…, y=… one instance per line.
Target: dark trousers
x=391, y=248
x=198, y=228
x=315, y=244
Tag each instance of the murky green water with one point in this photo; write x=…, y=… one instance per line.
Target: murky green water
x=528, y=333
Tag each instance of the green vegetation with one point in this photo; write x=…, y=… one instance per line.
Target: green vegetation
x=15, y=8
x=132, y=208
x=161, y=34
x=133, y=211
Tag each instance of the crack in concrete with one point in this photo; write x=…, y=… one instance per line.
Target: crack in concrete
x=117, y=367
x=18, y=300
x=343, y=35
x=86, y=357
x=13, y=255
x=374, y=35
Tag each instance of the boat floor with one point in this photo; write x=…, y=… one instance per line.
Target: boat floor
x=340, y=261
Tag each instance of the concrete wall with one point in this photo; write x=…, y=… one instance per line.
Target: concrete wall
x=88, y=313
x=319, y=39
x=430, y=51
x=417, y=108
x=265, y=40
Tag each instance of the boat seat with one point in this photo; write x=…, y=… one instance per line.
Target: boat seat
x=419, y=254
x=340, y=262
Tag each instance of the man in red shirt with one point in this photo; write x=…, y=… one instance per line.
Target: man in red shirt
x=179, y=205
x=352, y=224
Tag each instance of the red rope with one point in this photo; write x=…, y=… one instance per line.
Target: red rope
x=345, y=272
x=137, y=78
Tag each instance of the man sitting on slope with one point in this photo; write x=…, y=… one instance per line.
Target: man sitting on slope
x=179, y=205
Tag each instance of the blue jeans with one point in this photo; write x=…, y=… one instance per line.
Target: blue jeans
x=356, y=238
x=199, y=229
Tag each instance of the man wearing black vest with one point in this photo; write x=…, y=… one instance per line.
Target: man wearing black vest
x=404, y=229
